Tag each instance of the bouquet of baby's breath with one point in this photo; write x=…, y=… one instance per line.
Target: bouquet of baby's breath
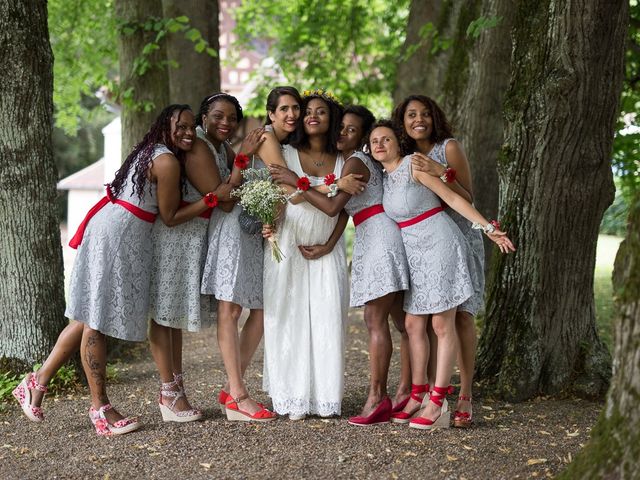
x=260, y=197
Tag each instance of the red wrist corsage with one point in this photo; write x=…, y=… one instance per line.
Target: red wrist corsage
x=303, y=184
x=495, y=223
x=330, y=179
x=449, y=175
x=241, y=161
x=211, y=200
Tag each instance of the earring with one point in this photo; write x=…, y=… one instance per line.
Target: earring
x=204, y=128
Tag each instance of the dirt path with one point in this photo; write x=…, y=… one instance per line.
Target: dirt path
x=534, y=439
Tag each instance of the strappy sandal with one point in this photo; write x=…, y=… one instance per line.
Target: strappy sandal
x=439, y=397
x=23, y=394
x=104, y=428
x=170, y=413
x=463, y=419
x=234, y=413
x=417, y=393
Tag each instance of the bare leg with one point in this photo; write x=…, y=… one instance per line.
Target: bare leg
x=432, y=365
x=404, y=385
x=163, y=352
x=67, y=344
x=416, y=326
x=468, y=338
x=250, y=338
x=444, y=327
x=93, y=352
x=229, y=343
x=376, y=313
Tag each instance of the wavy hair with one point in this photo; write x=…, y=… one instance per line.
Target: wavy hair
x=441, y=127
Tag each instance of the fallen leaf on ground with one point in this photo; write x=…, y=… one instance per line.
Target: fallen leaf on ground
x=451, y=458
x=536, y=461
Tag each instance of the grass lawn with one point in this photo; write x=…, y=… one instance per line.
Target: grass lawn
x=602, y=288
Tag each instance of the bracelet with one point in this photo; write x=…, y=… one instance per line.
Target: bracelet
x=488, y=228
x=210, y=200
x=333, y=190
x=241, y=161
x=449, y=175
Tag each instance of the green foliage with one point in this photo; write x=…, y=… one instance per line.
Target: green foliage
x=8, y=382
x=84, y=43
x=350, y=47
x=614, y=221
x=482, y=23
x=626, y=148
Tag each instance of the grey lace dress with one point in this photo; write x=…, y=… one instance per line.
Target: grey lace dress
x=474, y=238
x=179, y=254
x=437, y=251
x=233, y=267
x=379, y=263
x=109, y=284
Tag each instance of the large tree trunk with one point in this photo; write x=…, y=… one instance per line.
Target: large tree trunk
x=31, y=289
x=614, y=448
x=481, y=123
x=198, y=74
x=441, y=73
x=555, y=172
x=150, y=91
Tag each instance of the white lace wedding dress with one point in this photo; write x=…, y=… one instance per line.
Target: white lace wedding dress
x=305, y=310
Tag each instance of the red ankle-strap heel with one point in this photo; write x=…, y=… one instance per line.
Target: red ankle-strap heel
x=417, y=393
x=439, y=397
x=463, y=419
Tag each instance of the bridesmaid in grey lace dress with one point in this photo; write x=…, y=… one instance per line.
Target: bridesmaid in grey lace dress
x=427, y=134
x=437, y=253
x=109, y=287
x=233, y=267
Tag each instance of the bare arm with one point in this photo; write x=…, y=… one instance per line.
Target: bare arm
x=463, y=207
x=313, y=252
x=456, y=160
x=165, y=172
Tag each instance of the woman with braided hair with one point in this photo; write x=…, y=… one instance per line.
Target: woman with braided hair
x=109, y=285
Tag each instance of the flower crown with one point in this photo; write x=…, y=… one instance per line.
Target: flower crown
x=322, y=93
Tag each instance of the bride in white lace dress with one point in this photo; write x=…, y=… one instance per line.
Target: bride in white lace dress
x=306, y=296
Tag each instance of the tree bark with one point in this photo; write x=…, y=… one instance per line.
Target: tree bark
x=198, y=74
x=481, y=125
x=614, y=448
x=150, y=91
x=441, y=74
x=32, y=286
x=555, y=176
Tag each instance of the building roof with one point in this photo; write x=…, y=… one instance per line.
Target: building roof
x=89, y=178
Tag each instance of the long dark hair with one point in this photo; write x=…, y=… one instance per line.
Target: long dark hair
x=140, y=156
x=274, y=97
x=211, y=99
x=364, y=114
x=300, y=139
x=441, y=126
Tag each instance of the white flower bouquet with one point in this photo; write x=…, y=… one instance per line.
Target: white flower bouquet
x=260, y=197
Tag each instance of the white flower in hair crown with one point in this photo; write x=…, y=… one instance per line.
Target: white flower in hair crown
x=320, y=92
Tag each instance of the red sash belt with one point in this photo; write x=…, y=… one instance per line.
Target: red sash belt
x=421, y=217
x=368, y=212
x=206, y=214
x=137, y=211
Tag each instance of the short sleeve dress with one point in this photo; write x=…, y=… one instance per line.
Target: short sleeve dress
x=379, y=262
x=109, y=284
x=437, y=252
